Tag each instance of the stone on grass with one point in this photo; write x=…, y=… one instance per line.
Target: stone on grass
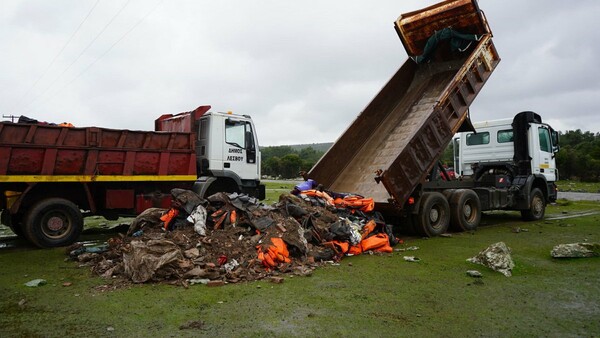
x=576, y=250
x=496, y=257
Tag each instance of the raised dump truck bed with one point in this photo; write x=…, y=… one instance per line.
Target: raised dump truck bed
x=401, y=134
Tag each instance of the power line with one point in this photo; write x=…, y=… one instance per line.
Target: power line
x=80, y=54
x=108, y=50
x=57, y=55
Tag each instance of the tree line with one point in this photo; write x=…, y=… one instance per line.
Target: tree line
x=287, y=162
x=578, y=158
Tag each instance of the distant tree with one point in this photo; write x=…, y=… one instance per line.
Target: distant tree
x=448, y=155
x=579, y=155
x=291, y=164
x=271, y=166
x=286, y=162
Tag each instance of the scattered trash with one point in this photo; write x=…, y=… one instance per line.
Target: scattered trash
x=412, y=259
x=22, y=303
x=474, y=273
x=194, y=324
x=199, y=281
x=277, y=280
x=80, y=248
x=231, y=238
x=67, y=284
x=447, y=235
x=576, y=250
x=36, y=282
x=410, y=248
x=496, y=257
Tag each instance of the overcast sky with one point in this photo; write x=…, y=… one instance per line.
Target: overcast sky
x=303, y=70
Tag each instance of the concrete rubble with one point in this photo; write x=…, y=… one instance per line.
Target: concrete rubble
x=496, y=257
x=576, y=250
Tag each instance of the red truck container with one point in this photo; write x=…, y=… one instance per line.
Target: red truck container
x=51, y=175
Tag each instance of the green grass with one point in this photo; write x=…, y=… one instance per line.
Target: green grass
x=274, y=189
x=367, y=295
x=576, y=186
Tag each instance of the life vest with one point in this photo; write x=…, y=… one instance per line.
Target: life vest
x=168, y=217
x=276, y=253
x=317, y=193
x=368, y=229
x=355, y=202
x=340, y=248
x=355, y=250
x=375, y=242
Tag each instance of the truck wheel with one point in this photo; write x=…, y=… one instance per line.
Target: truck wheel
x=465, y=210
x=53, y=222
x=537, y=206
x=434, y=214
x=448, y=193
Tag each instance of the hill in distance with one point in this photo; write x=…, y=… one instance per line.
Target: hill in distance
x=298, y=147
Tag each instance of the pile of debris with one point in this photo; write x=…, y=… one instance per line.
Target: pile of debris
x=233, y=238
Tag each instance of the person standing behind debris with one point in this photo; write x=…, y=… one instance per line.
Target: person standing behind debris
x=308, y=184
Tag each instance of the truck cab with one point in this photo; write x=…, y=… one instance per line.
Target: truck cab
x=228, y=155
x=523, y=142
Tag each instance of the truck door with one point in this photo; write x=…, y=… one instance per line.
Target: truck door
x=543, y=161
x=240, y=151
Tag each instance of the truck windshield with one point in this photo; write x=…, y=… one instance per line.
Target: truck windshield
x=235, y=132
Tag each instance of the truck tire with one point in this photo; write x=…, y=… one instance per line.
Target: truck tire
x=53, y=222
x=434, y=215
x=465, y=210
x=537, y=206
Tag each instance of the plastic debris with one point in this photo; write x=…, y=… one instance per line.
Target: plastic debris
x=474, y=273
x=412, y=259
x=36, y=282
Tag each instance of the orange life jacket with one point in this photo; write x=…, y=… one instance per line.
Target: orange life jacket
x=168, y=217
x=338, y=247
x=276, y=253
x=355, y=202
x=355, y=250
x=386, y=248
x=320, y=194
x=374, y=242
x=368, y=229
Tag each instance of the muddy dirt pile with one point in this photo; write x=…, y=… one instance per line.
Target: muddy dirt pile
x=234, y=238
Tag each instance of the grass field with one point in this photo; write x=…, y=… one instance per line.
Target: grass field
x=363, y=296
x=576, y=186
